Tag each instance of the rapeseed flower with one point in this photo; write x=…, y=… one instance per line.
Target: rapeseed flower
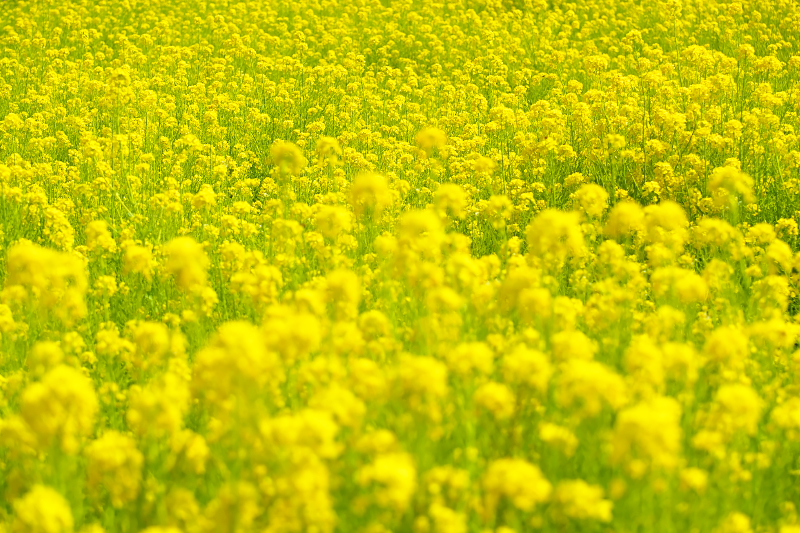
x=399, y=266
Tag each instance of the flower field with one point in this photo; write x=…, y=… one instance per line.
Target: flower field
x=373, y=266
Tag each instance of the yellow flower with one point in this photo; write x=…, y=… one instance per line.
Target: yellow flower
x=61, y=408
x=589, y=385
x=369, y=195
x=205, y=197
x=43, y=356
x=190, y=449
x=446, y=520
x=288, y=158
x=183, y=511
x=649, y=431
x=99, y=238
x=593, y=199
x=517, y=480
x=54, y=282
x=737, y=407
x=451, y=200
x=161, y=529
x=394, y=477
x=345, y=407
x=13, y=121
x=234, y=508
x=484, y=164
x=42, y=510
x=367, y=379
x=531, y=368
x=780, y=257
x=158, y=408
x=430, y=139
x=420, y=230
x=735, y=522
x=761, y=234
x=139, y=260
x=313, y=429
x=296, y=335
x=558, y=437
x=187, y=262
x=470, y=357
x=666, y=224
x=727, y=183
x=236, y=361
x=495, y=398
x=328, y=149
x=688, y=286
x=727, y=345
x=582, y=501
x=344, y=292
x=115, y=464
x=624, y=220
x=695, y=479
x=331, y=220
x=153, y=341
x=572, y=345
x=556, y=236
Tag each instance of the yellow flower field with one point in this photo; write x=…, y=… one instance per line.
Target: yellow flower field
x=372, y=266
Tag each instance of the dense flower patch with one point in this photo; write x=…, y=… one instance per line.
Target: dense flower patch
x=396, y=266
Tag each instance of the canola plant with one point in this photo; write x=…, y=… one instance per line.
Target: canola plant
x=373, y=266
